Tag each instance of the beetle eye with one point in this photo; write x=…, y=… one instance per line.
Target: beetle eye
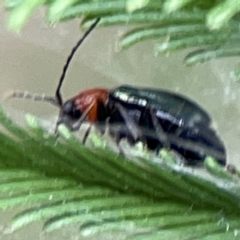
x=70, y=109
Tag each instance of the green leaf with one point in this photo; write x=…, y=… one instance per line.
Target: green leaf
x=57, y=8
x=203, y=55
x=171, y=20
x=103, y=192
x=151, y=17
x=142, y=34
x=173, y=5
x=132, y=5
x=192, y=40
x=21, y=14
x=222, y=13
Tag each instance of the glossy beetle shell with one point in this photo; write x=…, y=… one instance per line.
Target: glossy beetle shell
x=187, y=124
x=170, y=106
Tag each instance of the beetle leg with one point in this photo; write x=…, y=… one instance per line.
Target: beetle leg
x=80, y=121
x=159, y=130
x=131, y=125
x=186, y=146
x=85, y=137
x=77, y=125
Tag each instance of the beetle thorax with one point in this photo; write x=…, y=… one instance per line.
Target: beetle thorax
x=91, y=97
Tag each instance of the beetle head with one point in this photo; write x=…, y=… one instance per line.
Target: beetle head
x=69, y=115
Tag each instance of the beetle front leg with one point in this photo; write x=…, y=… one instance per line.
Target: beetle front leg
x=85, y=137
x=133, y=128
x=76, y=126
x=101, y=114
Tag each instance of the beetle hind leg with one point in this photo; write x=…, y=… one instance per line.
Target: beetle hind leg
x=155, y=135
x=128, y=126
x=86, y=134
x=206, y=143
x=161, y=134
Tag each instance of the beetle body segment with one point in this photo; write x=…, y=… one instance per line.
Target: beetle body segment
x=89, y=102
x=170, y=106
x=92, y=96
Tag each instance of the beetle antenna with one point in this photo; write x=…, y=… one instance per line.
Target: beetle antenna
x=58, y=94
x=27, y=95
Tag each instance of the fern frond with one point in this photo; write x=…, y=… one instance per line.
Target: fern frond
x=177, y=24
x=63, y=182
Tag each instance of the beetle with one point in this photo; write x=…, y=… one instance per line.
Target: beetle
x=159, y=118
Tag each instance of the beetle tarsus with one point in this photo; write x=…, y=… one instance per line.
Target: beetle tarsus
x=85, y=137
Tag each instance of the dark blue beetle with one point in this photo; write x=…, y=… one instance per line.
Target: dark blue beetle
x=157, y=117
